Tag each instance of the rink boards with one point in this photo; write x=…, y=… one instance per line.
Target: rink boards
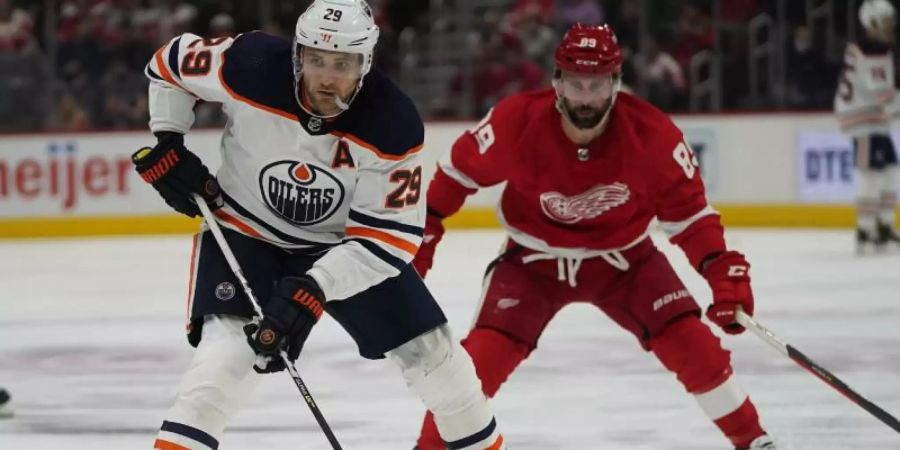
x=776, y=170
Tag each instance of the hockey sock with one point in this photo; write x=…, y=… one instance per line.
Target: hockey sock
x=495, y=356
x=441, y=373
x=219, y=378
x=688, y=348
x=866, y=214
x=868, y=189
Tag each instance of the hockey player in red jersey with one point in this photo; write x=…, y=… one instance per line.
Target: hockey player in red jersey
x=587, y=169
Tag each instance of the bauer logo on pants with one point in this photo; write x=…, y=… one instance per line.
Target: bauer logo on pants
x=302, y=193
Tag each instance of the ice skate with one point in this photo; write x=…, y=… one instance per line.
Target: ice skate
x=865, y=238
x=887, y=233
x=5, y=407
x=763, y=442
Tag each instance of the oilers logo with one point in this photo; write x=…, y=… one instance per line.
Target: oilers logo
x=302, y=193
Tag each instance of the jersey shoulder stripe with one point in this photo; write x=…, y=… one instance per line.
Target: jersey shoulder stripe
x=165, y=71
x=257, y=70
x=174, y=49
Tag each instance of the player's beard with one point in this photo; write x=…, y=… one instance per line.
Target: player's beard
x=325, y=101
x=585, y=117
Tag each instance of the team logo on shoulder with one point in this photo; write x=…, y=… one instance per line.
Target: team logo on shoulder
x=301, y=193
x=225, y=291
x=587, y=205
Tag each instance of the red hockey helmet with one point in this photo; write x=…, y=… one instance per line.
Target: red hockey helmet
x=589, y=49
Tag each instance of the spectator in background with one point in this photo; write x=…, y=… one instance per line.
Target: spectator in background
x=501, y=69
x=16, y=29
x=738, y=11
x=184, y=20
x=588, y=12
x=810, y=78
x=546, y=7
x=123, y=104
x=68, y=115
x=538, y=39
x=693, y=33
x=627, y=26
x=221, y=25
x=523, y=74
x=659, y=77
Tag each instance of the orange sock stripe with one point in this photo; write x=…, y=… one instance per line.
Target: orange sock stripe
x=166, y=445
x=498, y=444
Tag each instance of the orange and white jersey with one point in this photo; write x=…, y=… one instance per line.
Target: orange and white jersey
x=865, y=98
x=348, y=187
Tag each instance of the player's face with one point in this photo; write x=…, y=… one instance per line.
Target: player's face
x=327, y=75
x=585, y=97
x=884, y=30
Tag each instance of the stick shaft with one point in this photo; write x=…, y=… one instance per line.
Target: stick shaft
x=236, y=268
x=820, y=372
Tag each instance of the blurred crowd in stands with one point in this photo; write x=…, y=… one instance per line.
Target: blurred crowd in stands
x=80, y=65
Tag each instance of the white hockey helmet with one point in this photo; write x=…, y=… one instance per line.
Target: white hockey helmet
x=873, y=12
x=339, y=26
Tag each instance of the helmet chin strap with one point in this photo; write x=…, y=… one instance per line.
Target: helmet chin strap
x=340, y=103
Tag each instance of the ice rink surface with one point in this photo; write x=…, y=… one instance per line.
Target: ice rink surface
x=92, y=348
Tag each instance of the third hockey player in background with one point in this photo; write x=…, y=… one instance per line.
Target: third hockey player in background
x=864, y=103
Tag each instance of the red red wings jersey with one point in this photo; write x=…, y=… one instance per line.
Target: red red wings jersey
x=639, y=169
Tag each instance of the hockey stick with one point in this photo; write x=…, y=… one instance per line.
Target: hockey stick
x=817, y=370
x=236, y=268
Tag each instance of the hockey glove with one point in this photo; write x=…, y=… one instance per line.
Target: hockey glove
x=176, y=174
x=434, y=231
x=295, y=306
x=728, y=274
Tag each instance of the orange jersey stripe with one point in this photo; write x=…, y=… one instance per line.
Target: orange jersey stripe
x=498, y=444
x=228, y=218
x=246, y=100
x=166, y=445
x=392, y=240
x=356, y=140
x=164, y=69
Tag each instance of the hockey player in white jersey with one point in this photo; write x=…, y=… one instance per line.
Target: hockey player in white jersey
x=320, y=194
x=865, y=102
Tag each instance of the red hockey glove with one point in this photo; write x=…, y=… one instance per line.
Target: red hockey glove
x=434, y=231
x=728, y=275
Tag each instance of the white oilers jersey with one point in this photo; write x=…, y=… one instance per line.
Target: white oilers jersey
x=865, y=98
x=348, y=187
